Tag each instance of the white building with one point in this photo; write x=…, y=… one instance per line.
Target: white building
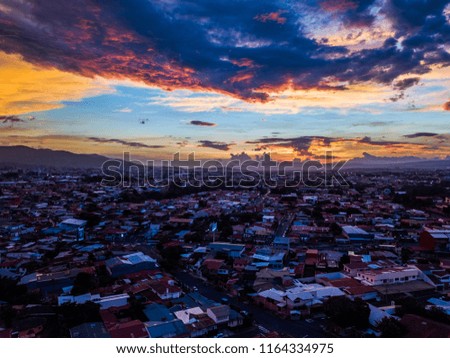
x=301, y=295
x=387, y=276
x=186, y=315
x=104, y=302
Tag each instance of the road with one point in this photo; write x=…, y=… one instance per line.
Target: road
x=284, y=225
x=262, y=317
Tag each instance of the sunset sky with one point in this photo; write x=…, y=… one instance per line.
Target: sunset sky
x=222, y=77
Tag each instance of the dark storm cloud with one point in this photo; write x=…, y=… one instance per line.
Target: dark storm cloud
x=202, y=123
x=215, y=145
x=423, y=25
x=415, y=14
x=420, y=134
x=124, y=142
x=240, y=48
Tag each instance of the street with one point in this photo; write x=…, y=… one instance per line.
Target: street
x=284, y=225
x=263, y=318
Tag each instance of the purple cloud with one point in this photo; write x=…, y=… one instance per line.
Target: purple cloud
x=239, y=48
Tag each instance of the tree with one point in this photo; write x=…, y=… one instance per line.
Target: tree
x=391, y=328
x=412, y=306
x=437, y=314
x=83, y=283
x=345, y=259
x=405, y=254
x=335, y=229
x=171, y=255
x=103, y=277
x=73, y=315
x=7, y=314
x=347, y=313
x=12, y=292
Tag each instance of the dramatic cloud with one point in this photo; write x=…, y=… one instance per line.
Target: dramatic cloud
x=124, y=142
x=446, y=106
x=420, y=134
x=25, y=88
x=346, y=148
x=300, y=145
x=284, y=102
x=246, y=49
x=202, y=123
x=215, y=145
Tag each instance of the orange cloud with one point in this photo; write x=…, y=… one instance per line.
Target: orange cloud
x=306, y=147
x=241, y=77
x=243, y=62
x=26, y=88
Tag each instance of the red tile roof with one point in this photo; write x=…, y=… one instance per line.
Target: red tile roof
x=213, y=264
x=132, y=329
x=359, y=290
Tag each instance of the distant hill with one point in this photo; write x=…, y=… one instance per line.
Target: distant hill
x=23, y=156
x=407, y=162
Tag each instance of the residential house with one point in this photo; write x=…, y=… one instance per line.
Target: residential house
x=219, y=314
x=134, y=262
x=167, y=329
